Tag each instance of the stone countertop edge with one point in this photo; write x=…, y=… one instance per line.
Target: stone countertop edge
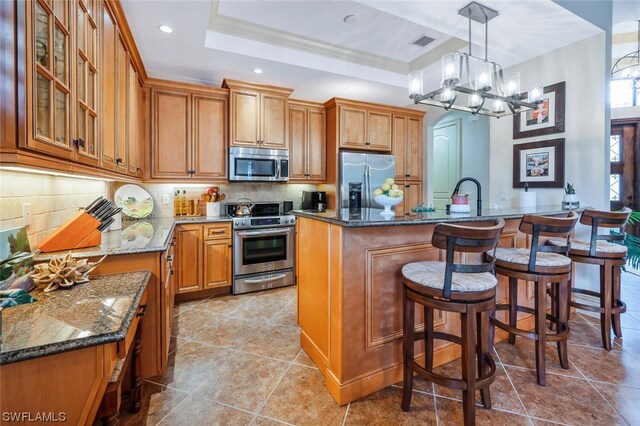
x=330, y=216
x=99, y=252
x=85, y=342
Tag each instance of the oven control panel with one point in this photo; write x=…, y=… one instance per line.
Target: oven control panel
x=263, y=222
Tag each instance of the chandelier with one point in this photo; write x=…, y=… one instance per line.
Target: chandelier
x=489, y=91
x=629, y=65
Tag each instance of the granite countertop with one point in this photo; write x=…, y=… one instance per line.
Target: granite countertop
x=90, y=314
x=372, y=217
x=136, y=236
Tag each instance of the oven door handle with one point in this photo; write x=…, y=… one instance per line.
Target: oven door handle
x=264, y=232
x=264, y=280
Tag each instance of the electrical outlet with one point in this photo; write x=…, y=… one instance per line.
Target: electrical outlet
x=165, y=199
x=26, y=214
x=503, y=195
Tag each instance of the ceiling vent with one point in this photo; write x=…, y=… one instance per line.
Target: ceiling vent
x=422, y=41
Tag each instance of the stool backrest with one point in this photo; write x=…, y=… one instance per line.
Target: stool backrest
x=468, y=239
x=551, y=226
x=603, y=219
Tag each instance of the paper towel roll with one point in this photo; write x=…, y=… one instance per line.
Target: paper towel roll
x=527, y=199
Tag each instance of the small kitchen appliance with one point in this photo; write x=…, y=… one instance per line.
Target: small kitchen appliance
x=314, y=200
x=263, y=246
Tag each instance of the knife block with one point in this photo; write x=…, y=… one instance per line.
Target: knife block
x=79, y=231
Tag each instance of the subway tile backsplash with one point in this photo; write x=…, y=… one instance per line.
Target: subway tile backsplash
x=233, y=192
x=53, y=199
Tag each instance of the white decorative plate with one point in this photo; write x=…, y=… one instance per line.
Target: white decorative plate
x=135, y=201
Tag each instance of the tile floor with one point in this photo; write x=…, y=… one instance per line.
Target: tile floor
x=237, y=361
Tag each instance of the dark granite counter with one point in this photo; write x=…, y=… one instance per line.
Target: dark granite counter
x=138, y=236
x=90, y=314
x=372, y=217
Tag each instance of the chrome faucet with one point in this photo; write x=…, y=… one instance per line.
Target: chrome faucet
x=457, y=189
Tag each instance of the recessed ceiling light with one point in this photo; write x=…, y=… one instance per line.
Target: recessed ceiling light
x=350, y=19
x=351, y=88
x=165, y=29
x=257, y=70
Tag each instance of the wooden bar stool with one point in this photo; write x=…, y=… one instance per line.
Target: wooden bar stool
x=468, y=289
x=544, y=265
x=610, y=256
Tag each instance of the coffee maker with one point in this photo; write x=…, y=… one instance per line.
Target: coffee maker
x=314, y=200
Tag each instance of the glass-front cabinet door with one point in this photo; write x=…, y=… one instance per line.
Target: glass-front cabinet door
x=48, y=69
x=86, y=81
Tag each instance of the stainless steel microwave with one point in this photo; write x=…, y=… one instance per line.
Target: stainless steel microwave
x=258, y=164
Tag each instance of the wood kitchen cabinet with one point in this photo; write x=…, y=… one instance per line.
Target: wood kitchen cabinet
x=189, y=134
x=361, y=126
x=69, y=63
x=412, y=196
x=204, y=254
x=258, y=115
x=307, y=142
x=408, y=147
x=167, y=279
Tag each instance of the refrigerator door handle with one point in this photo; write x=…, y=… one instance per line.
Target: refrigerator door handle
x=367, y=185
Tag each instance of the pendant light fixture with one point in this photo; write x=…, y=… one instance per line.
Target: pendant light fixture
x=629, y=65
x=488, y=91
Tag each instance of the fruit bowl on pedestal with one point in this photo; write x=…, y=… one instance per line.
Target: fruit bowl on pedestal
x=387, y=202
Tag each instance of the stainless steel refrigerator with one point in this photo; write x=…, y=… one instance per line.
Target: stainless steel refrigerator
x=370, y=170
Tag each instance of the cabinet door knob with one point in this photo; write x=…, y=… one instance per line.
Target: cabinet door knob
x=118, y=160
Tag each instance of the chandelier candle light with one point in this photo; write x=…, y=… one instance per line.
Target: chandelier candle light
x=482, y=75
x=629, y=65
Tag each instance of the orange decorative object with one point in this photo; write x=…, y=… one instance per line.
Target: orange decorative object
x=79, y=231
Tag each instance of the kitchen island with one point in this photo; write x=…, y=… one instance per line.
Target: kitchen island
x=350, y=292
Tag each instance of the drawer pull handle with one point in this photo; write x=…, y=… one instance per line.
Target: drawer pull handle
x=169, y=258
x=219, y=231
x=141, y=310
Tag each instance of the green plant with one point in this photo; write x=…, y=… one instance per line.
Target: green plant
x=633, y=243
x=569, y=189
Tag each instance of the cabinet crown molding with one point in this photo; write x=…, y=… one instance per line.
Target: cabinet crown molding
x=334, y=102
x=243, y=85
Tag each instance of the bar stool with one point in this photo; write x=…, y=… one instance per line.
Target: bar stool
x=610, y=256
x=544, y=265
x=468, y=289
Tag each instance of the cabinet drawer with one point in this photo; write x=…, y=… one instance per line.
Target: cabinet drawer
x=125, y=345
x=217, y=232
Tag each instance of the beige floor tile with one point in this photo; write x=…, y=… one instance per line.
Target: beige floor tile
x=263, y=421
x=230, y=332
x=182, y=307
x=281, y=295
x=287, y=316
x=625, y=400
x=280, y=342
x=586, y=334
x=175, y=343
x=522, y=354
x=245, y=381
x=383, y=408
x=302, y=399
x=564, y=399
x=503, y=395
x=222, y=305
x=198, y=411
x=157, y=402
x=264, y=308
x=450, y=413
x=192, y=322
x=617, y=367
x=303, y=359
x=189, y=365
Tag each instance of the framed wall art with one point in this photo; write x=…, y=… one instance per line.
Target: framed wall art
x=547, y=119
x=539, y=164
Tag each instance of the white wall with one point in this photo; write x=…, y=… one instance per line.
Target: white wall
x=586, y=124
x=474, y=152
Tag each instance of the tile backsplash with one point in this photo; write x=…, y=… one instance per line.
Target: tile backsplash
x=53, y=199
x=233, y=192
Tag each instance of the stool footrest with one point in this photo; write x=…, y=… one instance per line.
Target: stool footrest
x=513, y=330
x=452, y=383
x=620, y=308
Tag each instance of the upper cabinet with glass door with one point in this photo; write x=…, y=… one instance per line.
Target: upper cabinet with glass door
x=86, y=138
x=49, y=77
x=62, y=86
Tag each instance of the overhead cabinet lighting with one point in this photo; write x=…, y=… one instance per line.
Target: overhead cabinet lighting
x=473, y=84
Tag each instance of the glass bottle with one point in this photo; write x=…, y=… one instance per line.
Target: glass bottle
x=177, y=204
x=185, y=204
